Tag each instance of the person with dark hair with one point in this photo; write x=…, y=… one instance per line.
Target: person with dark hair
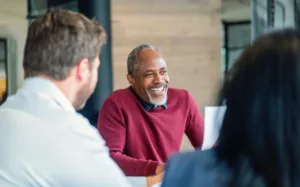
x=258, y=142
x=144, y=123
x=43, y=140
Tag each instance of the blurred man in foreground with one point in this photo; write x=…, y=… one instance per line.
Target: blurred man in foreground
x=43, y=141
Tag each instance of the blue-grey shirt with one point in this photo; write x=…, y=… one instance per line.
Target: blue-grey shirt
x=194, y=169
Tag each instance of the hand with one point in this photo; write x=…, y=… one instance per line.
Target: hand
x=159, y=173
x=151, y=180
x=160, y=168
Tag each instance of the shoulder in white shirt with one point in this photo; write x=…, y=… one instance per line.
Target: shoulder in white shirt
x=44, y=142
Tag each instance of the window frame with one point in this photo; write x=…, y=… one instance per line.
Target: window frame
x=225, y=47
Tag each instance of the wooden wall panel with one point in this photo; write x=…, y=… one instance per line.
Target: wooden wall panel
x=187, y=31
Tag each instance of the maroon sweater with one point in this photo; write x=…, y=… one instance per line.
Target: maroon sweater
x=138, y=139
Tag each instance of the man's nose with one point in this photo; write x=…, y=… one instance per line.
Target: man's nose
x=158, y=79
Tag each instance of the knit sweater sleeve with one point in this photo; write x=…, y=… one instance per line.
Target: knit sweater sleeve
x=195, y=123
x=112, y=127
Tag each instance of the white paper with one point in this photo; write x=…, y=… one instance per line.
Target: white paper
x=212, y=123
x=157, y=185
x=137, y=181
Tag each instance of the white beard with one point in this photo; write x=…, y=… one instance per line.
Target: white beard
x=158, y=101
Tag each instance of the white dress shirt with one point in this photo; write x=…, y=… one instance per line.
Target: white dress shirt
x=44, y=142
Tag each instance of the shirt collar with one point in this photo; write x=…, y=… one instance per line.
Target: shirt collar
x=48, y=89
x=147, y=106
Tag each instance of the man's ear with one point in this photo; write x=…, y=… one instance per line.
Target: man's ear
x=83, y=69
x=130, y=79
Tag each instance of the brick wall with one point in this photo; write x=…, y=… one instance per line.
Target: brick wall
x=187, y=31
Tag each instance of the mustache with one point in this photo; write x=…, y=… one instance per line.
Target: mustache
x=159, y=85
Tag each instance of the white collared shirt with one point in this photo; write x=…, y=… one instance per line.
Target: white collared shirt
x=44, y=142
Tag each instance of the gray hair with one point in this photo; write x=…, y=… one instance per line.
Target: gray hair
x=132, y=60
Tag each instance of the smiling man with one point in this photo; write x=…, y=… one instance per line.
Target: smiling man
x=145, y=123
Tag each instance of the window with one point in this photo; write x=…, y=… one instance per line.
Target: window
x=236, y=37
x=38, y=7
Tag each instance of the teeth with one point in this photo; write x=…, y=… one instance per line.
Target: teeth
x=157, y=89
